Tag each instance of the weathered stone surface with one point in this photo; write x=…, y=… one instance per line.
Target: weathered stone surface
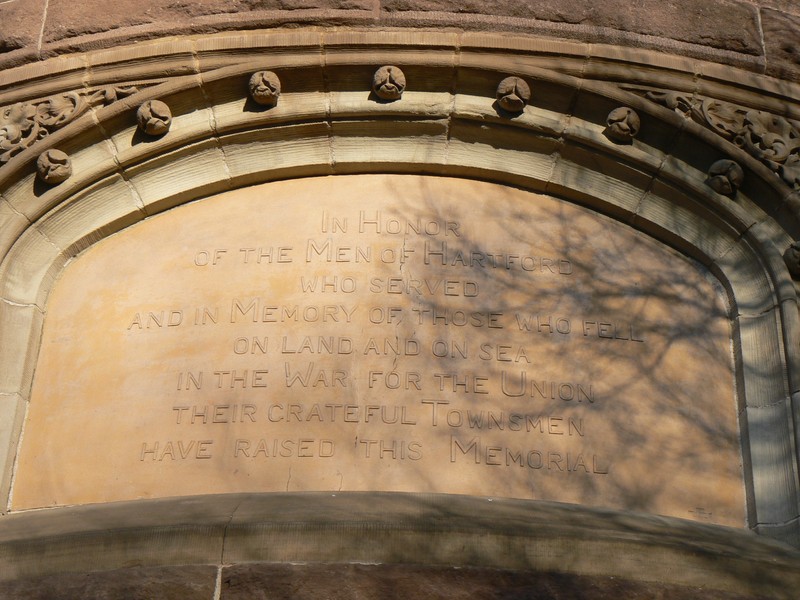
x=725, y=24
x=727, y=31
x=22, y=22
x=782, y=43
x=377, y=582
x=66, y=19
x=135, y=583
x=788, y=6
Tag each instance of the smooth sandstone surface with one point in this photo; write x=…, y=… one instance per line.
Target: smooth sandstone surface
x=386, y=333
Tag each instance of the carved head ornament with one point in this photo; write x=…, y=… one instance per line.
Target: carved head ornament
x=265, y=87
x=388, y=83
x=622, y=125
x=725, y=176
x=513, y=94
x=154, y=117
x=53, y=166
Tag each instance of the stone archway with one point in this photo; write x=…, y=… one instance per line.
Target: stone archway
x=446, y=124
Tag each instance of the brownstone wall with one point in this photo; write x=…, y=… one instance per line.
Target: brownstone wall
x=762, y=36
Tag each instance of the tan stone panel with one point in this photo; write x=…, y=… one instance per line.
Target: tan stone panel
x=765, y=382
x=268, y=40
x=684, y=227
x=21, y=326
x=530, y=156
x=279, y=151
x=12, y=414
x=754, y=291
x=386, y=333
x=30, y=198
x=42, y=78
x=360, y=103
x=528, y=53
x=533, y=119
x=239, y=113
x=773, y=483
x=173, y=177
x=408, y=141
x=345, y=38
x=790, y=321
x=581, y=171
x=99, y=211
x=12, y=224
x=30, y=268
x=170, y=57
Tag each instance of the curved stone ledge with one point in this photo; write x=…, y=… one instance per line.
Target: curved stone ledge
x=394, y=529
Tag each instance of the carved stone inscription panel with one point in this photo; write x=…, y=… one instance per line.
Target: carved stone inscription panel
x=394, y=333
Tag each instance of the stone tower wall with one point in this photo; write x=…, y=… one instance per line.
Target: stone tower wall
x=760, y=36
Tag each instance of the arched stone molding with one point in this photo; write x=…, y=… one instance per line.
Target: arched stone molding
x=446, y=124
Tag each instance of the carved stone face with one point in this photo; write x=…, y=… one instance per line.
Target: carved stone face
x=513, y=94
x=19, y=115
x=53, y=166
x=388, y=83
x=622, y=125
x=767, y=137
x=792, y=259
x=725, y=177
x=265, y=87
x=154, y=117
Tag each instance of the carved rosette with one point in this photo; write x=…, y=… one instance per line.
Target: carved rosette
x=772, y=139
x=513, y=94
x=25, y=123
x=265, y=88
x=154, y=117
x=725, y=177
x=388, y=83
x=622, y=125
x=53, y=166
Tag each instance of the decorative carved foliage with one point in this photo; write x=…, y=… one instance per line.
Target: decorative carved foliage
x=388, y=83
x=513, y=94
x=265, y=87
x=25, y=123
x=622, y=125
x=792, y=259
x=53, y=166
x=154, y=117
x=725, y=176
x=772, y=139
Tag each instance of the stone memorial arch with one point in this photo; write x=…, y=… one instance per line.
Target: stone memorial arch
x=324, y=300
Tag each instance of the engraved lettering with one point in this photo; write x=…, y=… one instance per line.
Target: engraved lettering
x=315, y=377
x=284, y=448
x=330, y=284
x=476, y=451
x=177, y=450
x=516, y=386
